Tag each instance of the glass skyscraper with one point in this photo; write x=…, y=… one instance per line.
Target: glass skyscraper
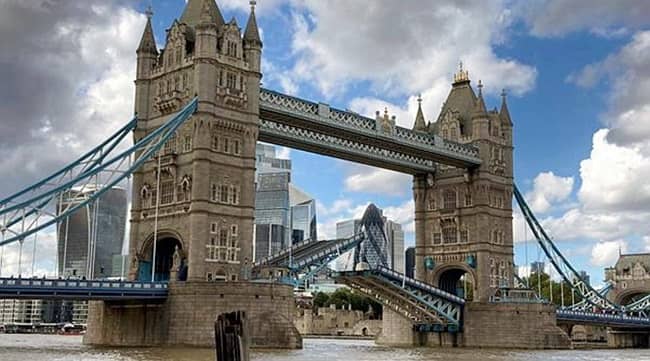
x=283, y=213
x=393, y=250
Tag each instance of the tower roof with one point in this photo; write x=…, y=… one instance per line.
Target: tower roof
x=192, y=13
x=420, y=124
x=462, y=100
x=504, y=114
x=148, y=41
x=252, y=33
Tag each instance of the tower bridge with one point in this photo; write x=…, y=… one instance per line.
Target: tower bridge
x=199, y=113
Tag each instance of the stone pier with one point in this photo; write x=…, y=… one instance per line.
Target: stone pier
x=497, y=325
x=187, y=316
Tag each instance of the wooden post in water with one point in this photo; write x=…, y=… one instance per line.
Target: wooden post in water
x=231, y=337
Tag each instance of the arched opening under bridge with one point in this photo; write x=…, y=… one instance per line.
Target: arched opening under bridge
x=166, y=265
x=457, y=281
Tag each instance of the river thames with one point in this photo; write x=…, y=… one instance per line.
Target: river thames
x=69, y=348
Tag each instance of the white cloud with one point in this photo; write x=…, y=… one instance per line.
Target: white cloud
x=378, y=181
x=605, y=254
x=614, y=194
x=601, y=17
x=547, y=189
x=402, y=48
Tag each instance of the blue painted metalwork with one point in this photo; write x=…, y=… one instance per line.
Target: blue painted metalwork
x=428, y=307
x=16, y=288
x=301, y=256
x=584, y=305
x=560, y=263
x=86, y=162
x=603, y=319
x=111, y=169
x=316, y=127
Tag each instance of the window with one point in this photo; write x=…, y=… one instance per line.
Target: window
x=188, y=143
x=235, y=146
x=436, y=238
x=215, y=142
x=234, y=195
x=170, y=146
x=214, y=193
x=449, y=235
x=224, y=193
x=464, y=236
x=213, y=228
x=212, y=250
x=226, y=147
x=231, y=80
x=449, y=199
x=234, y=230
x=167, y=192
x=208, y=277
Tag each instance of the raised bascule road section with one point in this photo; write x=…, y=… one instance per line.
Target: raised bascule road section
x=199, y=112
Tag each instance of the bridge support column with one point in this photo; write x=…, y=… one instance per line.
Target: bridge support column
x=187, y=316
x=628, y=339
x=397, y=330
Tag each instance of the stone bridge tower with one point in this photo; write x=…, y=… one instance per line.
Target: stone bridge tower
x=196, y=202
x=463, y=218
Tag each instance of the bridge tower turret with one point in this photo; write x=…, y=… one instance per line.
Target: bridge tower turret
x=463, y=217
x=199, y=196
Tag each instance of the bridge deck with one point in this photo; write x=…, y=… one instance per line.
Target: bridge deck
x=603, y=319
x=55, y=289
x=429, y=308
x=317, y=128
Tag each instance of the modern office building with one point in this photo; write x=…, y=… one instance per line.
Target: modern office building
x=90, y=238
x=89, y=245
x=395, y=236
x=283, y=213
x=409, y=262
x=393, y=250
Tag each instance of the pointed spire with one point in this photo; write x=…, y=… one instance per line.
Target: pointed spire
x=504, y=113
x=148, y=41
x=252, y=34
x=420, y=124
x=462, y=76
x=194, y=9
x=480, y=111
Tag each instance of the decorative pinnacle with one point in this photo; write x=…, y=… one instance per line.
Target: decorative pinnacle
x=420, y=99
x=503, y=93
x=462, y=75
x=149, y=12
x=253, y=3
x=480, y=87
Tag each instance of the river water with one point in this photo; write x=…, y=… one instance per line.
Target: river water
x=69, y=348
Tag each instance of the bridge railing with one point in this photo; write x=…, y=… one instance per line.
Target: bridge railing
x=57, y=283
x=352, y=121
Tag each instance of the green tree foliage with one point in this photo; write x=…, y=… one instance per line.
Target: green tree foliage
x=549, y=286
x=343, y=297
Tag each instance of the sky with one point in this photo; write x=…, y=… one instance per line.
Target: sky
x=576, y=73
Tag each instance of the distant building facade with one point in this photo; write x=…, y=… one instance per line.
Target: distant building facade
x=90, y=238
x=537, y=267
x=283, y=213
x=393, y=250
x=409, y=262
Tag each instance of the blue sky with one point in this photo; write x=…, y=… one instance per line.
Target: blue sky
x=576, y=73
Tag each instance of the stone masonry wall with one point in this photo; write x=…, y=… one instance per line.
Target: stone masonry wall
x=188, y=315
x=512, y=325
